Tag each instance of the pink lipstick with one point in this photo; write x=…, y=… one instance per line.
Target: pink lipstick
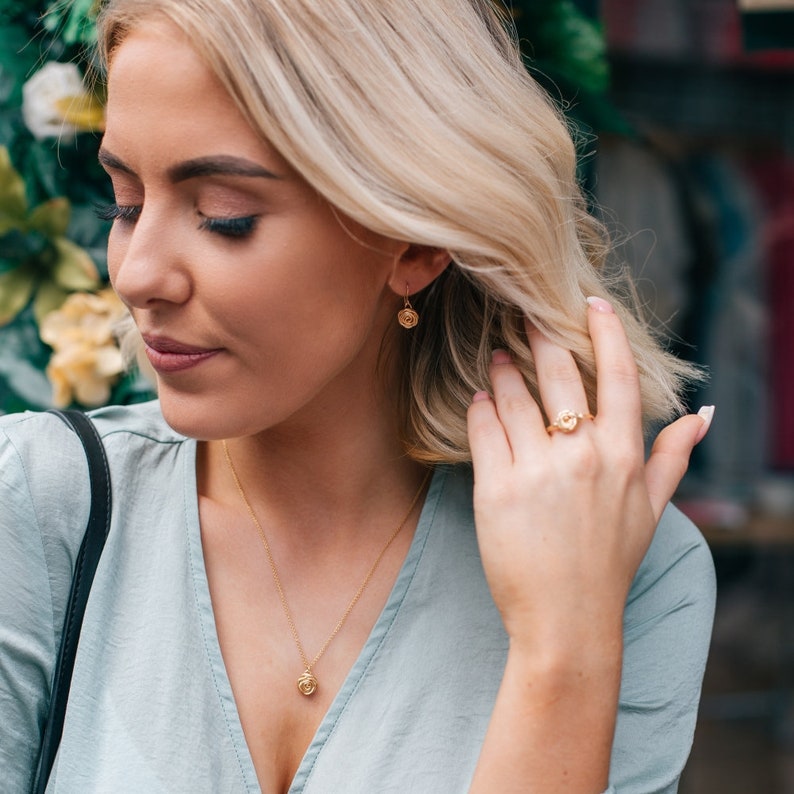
x=168, y=355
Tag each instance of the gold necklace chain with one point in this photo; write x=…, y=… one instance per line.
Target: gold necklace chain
x=307, y=682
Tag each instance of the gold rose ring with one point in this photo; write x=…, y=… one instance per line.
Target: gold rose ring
x=567, y=421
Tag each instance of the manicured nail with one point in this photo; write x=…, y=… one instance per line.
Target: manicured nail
x=706, y=413
x=480, y=396
x=600, y=305
x=500, y=357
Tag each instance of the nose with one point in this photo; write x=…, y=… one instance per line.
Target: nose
x=146, y=262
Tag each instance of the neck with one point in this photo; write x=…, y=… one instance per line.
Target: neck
x=323, y=478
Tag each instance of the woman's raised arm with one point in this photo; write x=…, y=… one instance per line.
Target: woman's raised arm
x=564, y=520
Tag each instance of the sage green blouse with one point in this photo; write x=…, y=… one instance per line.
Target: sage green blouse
x=151, y=708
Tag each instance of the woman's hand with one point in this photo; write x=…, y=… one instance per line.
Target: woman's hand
x=563, y=522
x=564, y=519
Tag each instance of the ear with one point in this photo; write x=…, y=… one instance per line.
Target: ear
x=416, y=267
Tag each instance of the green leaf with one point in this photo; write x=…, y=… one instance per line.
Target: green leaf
x=43, y=172
x=7, y=264
x=8, y=225
x=49, y=297
x=51, y=217
x=19, y=57
x=13, y=203
x=19, y=247
x=74, y=269
x=73, y=20
x=16, y=289
x=574, y=45
x=11, y=124
x=91, y=233
x=23, y=358
x=132, y=388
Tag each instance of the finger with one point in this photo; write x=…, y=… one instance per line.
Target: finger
x=669, y=458
x=517, y=410
x=559, y=380
x=618, y=387
x=490, y=450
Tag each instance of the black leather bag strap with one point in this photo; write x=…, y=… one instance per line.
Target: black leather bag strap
x=85, y=567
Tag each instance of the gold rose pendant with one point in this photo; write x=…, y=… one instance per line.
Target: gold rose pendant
x=307, y=683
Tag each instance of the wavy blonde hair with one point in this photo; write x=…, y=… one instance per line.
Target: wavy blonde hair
x=419, y=121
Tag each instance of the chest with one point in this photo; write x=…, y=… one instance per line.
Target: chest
x=153, y=707
x=272, y=628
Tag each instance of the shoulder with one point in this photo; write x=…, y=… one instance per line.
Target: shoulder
x=666, y=631
x=41, y=475
x=670, y=607
x=42, y=443
x=43, y=469
x=677, y=569
x=45, y=489
x=144, y=419
x=667, y=625
x=44, y=506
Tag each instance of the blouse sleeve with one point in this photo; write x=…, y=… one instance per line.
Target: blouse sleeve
x=667, y=631
x=39, y=494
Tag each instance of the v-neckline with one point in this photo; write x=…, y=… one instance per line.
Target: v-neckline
x=350, y=685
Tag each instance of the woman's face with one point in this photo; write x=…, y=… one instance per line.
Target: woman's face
x=257, y=301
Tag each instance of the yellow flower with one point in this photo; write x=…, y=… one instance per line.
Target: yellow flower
x=86, y=360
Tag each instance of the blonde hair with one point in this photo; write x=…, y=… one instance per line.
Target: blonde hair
x=419, y=121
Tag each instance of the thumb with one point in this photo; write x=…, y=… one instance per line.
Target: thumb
x=669, y=458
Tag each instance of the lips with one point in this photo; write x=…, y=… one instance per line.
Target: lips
x=169, y=355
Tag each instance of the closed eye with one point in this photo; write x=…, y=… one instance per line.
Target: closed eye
x=230, y=227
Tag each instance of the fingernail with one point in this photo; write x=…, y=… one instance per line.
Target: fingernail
x=600, y=305
x=500, y=357
x=706, y=413
x=480, y=396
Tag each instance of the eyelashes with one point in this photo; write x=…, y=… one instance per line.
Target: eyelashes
x=229, y=227
x=113, y=212
x=235, y=228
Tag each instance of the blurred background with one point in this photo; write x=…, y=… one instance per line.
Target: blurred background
x=703, y=195
x=684, y=114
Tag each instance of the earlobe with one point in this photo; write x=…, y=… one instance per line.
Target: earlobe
x=417, y=267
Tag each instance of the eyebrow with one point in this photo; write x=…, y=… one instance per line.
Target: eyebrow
x=213, y=165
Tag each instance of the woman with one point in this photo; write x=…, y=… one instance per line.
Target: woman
x=289, y=178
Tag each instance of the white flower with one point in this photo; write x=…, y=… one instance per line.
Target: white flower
x=55, y=102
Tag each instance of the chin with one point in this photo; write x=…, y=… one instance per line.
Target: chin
x=204, y=418
x=214, y=415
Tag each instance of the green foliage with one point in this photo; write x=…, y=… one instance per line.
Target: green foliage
x=566, y=51
x=73, y=21
x=51, y=241
x=37, y=260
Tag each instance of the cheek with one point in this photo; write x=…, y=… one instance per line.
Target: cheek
x=289, y=288
x=298, y=321
x=343, y=283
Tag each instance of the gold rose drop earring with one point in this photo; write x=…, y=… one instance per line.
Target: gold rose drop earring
x=408, y=317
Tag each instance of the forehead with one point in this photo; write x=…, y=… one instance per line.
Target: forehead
x=164, y=101
x=157, y=58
